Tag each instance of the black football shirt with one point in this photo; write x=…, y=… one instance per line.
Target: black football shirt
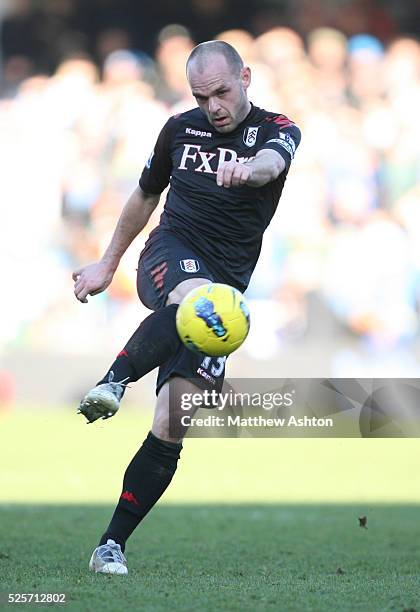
x=223, y=226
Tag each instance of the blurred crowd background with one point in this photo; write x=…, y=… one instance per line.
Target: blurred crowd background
x=85, y=87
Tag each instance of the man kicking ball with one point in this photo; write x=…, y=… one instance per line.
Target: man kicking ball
x=226, y=162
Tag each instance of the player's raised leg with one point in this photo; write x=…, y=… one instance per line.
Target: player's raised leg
x=153, y=343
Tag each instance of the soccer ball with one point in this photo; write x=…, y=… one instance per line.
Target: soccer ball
x=213, y=319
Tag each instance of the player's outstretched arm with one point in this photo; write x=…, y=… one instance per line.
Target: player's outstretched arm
x=264, y=168
x=96, y=277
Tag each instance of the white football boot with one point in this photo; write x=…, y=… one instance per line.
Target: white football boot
x=103, y=400
x=108, y=559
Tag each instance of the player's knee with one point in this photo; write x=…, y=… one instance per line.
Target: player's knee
x=177, y=295
x=161, y=428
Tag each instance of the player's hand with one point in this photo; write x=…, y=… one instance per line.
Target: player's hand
x=91, y=279
x=232, y=174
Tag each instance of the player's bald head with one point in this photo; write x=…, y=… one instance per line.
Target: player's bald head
x=219, y=83
x=204, y=53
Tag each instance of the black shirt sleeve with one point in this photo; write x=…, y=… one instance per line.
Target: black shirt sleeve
x=283, y=138
x=157, y=171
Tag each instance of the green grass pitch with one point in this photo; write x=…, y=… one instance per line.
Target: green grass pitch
x=246, y=524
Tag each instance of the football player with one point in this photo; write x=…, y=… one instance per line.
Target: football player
x=226, y=162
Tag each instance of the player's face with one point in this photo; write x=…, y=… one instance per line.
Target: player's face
x=221, y=95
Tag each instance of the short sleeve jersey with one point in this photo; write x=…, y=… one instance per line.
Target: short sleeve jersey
x=224, y=226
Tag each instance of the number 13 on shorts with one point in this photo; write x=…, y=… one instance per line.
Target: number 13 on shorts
x=216, y=365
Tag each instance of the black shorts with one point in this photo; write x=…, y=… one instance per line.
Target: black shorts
x=164, y=263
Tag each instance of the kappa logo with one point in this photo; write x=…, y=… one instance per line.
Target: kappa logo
x=206, y=375
x=189, y=265
x=250, y=136
x=198, y=133
x=128, y=496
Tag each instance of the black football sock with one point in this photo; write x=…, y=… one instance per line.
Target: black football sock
x=145, y=480
x=153, y=343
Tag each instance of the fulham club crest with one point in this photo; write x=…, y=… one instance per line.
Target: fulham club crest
x=250, y=136
x=189, y=265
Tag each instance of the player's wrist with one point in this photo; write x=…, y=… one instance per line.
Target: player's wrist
x=110, y=263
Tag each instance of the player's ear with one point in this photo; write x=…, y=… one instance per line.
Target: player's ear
x=246, y=77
